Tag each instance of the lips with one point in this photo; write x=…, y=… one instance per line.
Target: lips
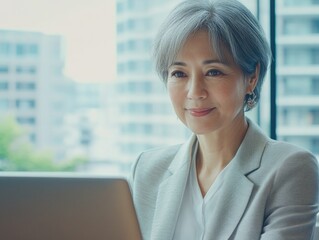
x=199, y=112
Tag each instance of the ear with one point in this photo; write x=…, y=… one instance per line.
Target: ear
x=252, y=79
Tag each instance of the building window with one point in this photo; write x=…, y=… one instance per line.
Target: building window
x=296, y=3
x=26, y=69
x=25, y=86
x=25, y=104
x=301, y=56
x=4, y=86
x=21, y=49
x=120, y=7
x=5, y=49
x=4, y=69
x=27, y=49
x=291, y=86
x=86, y=137
x=26, y=120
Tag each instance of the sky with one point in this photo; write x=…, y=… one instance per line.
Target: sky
x=87, y=27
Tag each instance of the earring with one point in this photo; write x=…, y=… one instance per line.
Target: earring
x=250, y=101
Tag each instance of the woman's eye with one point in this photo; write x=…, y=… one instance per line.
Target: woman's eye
x=214, y=72
x=178, y=74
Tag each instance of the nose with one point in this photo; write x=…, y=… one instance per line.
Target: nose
x=197, y=88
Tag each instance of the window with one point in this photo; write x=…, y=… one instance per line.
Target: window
x=21, y=49
x=291, y=86
x=4, y=69
x=25, y=86
x=25, y=104
x=296, y=3
x=26, y=49
x=5, y=48
x=301, y=56
x=41, y=71
x=26, y=69
x=4, y=86
x=26, y=120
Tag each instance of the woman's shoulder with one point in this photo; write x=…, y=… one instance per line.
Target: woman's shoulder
x=286, y=149
x=157, y=158
x=154, y=162
x=160, y=152
x=274, y=154
x=282, y=153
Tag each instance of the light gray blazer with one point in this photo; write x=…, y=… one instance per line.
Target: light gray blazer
x=270, y=191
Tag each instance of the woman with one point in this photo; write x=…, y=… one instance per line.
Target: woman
x=229, y=180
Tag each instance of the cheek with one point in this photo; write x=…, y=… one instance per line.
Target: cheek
x=232, y=95
x=175, y=94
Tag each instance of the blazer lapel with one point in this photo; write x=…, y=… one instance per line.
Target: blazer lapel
x=170, y=194
x=237, y=188
x=232, y=203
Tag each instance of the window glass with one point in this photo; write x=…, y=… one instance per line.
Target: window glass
x=4, y=69
x=4, y=86
x=25, y=86
x=62, y=64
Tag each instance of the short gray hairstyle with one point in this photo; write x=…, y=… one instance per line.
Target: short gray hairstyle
x=231, y=27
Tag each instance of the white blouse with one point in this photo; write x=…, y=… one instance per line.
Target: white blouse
x=195, y=213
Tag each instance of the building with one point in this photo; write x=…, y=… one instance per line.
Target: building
x=32, y=86
x=144, y=117
x=86, y=128
x=298, y=72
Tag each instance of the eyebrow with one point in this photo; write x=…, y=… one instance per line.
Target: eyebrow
x=204, y=62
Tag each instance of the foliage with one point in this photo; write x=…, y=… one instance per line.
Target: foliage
x=9, y=131
x=18, y=154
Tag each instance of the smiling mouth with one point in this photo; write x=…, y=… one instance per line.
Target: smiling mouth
x=200, y=112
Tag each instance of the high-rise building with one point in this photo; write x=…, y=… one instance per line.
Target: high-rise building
x=298, y=72
x=86, y=131
x=32, y=86
x=145, y=118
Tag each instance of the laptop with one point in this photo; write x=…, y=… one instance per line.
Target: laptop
x=66, y=207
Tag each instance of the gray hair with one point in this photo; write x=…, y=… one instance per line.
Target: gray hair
x=232, y=29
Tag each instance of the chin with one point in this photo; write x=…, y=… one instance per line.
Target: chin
x=201, y=131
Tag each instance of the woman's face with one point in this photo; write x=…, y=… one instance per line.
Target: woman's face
x=207, y=94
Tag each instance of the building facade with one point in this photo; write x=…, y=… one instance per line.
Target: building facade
x=32, y=87
x=145, y=118
x=298, y=72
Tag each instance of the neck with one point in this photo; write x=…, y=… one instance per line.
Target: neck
x=217, y=149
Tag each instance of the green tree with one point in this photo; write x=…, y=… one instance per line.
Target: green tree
x=18, y=154
x=9, y=132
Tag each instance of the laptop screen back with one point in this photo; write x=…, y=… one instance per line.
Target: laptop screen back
x=73, y=208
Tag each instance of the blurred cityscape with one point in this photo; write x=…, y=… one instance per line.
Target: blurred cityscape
x=110, y=123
